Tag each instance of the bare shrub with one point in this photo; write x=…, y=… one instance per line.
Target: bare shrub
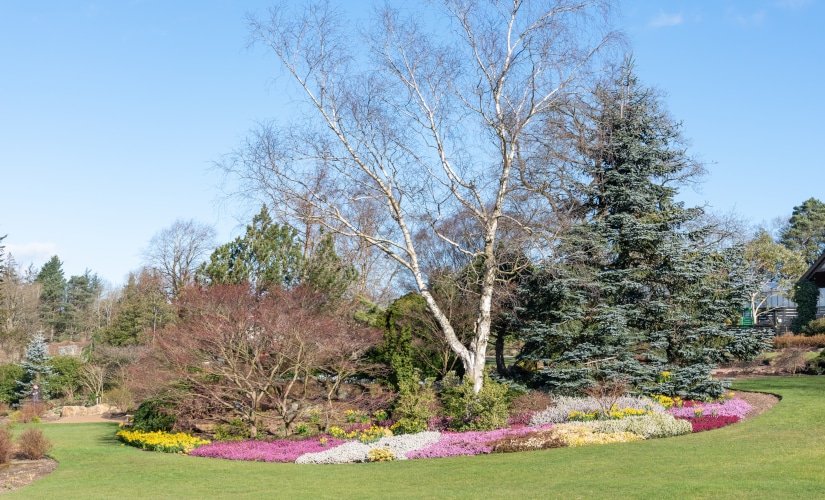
x=791, y=361
x=121, y=397
x=258, y=356
x=32, y=444
x=6, y=445
x=31, y=411
x=531, y=401
x=606, y=392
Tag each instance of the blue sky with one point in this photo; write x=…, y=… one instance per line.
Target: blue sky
x=111, y=113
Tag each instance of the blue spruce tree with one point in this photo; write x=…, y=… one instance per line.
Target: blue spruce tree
x=38, y=370
x=633, y=294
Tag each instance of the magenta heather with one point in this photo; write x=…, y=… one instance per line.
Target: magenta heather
x=282, y=450
x=732, y=408
x=452, y=444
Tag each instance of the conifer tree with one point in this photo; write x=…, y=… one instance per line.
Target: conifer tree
x=54, y=306
x=806, y=230
x=631, y=296
x=38, y=369
x=267, y=254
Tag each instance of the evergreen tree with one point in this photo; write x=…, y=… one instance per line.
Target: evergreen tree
x=141, y=310
x=54, y=306
x=632, y=297
x=268, y=254
x=81, y=292
x=325, y=273
x=38, y=369
x=806, y=230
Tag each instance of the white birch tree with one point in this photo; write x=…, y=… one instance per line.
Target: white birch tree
x=433, y=111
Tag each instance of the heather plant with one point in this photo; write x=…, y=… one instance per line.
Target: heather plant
x=452, y=444
x=706, y=423
x=580, y=434
x=354, y=451
x=564, y=406
x=33, y=445
x=649, y=426
x=735, y=407
x=281, y=450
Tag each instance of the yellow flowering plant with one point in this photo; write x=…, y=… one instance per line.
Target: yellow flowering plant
x=166, y=442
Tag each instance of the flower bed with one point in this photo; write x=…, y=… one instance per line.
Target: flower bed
x=451, y=444
x=166, y=442
x=700, y=424
x=282, y=450
x=734, y=407
x=570, y=422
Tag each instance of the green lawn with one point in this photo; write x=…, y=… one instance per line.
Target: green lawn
x=780, y=454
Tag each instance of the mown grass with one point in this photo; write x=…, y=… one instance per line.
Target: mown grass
x=780, y=454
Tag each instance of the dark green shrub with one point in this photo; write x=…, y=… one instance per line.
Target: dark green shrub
x=153, y=415
x=816, y=366
x=65, y=382
x=10, y=374
x=484, y=411
x=234, y=430
x=814, y=327
x=805, y=294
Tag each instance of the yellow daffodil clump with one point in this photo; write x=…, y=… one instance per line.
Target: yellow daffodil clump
x=166, y=442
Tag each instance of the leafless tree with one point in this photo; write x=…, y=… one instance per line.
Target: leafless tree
x=93, y=378
x=176, y=251
x=431, y=112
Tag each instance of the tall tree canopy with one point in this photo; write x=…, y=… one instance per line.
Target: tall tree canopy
x=54, y=305
x=443, y=115
x=268, y=254
x=806, y=230
x=271, y=255
x=632, y=296
x=176, y=252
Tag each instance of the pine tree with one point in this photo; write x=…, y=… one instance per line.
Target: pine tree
x=54, y=306
x=268, y=254
x=325, y=273
x=632, y=297
x=38, y=369
x=806, y=230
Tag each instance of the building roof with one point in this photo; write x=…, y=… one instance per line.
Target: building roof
x=816, y=272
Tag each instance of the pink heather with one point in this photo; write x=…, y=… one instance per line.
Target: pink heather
x=732, y=408
x=282, y=450
x=453, y=444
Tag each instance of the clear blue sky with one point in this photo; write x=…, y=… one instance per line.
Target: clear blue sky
x=111, y=113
